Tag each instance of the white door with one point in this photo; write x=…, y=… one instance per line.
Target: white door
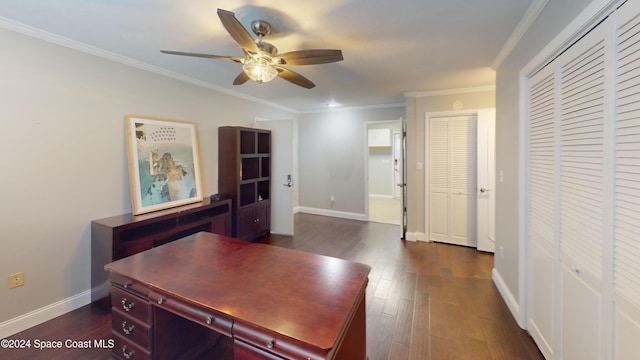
x=486, y=180
x=542, y=212
x=397, y=165
x=452, y=180
x=282, y=174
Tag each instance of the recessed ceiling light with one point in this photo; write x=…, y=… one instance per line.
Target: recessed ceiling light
x=333, y=104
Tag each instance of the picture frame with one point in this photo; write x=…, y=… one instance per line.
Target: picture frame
x=164, y=163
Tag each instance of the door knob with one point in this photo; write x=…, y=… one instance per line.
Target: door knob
x=484, y=190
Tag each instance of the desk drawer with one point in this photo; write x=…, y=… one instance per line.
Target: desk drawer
x=131, y=305
x=127, y=350
x=129, y=285
x=213, y=320
x=131, y=329
x=271, y=345
x=244, y=351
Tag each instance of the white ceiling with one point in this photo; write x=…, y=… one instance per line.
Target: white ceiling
x=389, y=47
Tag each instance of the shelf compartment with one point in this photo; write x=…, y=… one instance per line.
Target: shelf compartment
x=264, y=143
x=154, y=227
x=263, y=190
x=247, y=194
x=247, y=142
x=250, y=169
x=265, y=167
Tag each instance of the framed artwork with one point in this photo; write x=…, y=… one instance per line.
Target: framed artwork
x=164, y=163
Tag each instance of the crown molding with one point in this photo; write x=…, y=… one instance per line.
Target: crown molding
x=417, y=94
x=352, y=108
x=529, y=17
x=92, y=50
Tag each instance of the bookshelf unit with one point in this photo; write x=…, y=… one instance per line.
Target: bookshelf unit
x=244, y=176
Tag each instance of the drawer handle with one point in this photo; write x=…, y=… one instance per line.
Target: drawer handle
x=127, y=328
x=126, y=285
x=270, y=344
x=127, y=355
x=209, y=320
x=160, y=301
x=127, y=305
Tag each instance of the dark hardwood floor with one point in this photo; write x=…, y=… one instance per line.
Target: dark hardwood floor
x=424, y=300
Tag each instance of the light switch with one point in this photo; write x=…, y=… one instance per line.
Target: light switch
x=419, y=166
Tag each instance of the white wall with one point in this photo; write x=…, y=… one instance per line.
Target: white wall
x=550, y=22
x=332, y=148
x=417, y=106
x=64, y=163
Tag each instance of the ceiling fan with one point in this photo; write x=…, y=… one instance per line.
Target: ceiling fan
x=262, y=63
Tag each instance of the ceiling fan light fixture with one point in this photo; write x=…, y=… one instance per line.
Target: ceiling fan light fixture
x=260, y=68
x=262, y=63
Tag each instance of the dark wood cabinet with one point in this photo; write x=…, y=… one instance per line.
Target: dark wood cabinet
x=120, y=236
x=254, y=220
x=244, y=176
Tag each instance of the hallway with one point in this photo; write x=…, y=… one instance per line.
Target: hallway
x=385, y=210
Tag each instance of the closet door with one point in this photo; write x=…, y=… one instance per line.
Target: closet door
x=583, y=201
x=542, y=209
x=627, y=189
x=597, y=179
x=452, y=179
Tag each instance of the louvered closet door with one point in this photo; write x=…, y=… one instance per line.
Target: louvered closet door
x=597, y=131
x=452, y=179
x=583, y=116
x=542, y=208
x=627, y=189
x=438, y=179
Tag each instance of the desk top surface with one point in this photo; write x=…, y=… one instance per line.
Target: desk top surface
x=304, y=296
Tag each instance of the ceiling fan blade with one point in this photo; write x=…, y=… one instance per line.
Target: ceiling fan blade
x=310, y=57
x=295, y=78
x=237, y=31
x=208, y=56
x=241, y=78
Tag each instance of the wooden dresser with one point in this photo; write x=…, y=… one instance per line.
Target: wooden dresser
x=117, y=237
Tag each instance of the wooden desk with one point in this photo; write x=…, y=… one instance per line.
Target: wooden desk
x=268, y=302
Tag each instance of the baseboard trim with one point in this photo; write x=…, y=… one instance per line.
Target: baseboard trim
x=416, y=236
x=507, y=296
x=332, y=213
x=46, y=313
x=381, y=196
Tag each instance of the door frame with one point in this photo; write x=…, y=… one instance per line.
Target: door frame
x=397, y=173
x=483, y=114
x=366, y=162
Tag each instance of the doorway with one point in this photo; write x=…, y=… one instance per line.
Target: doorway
x=384, y=171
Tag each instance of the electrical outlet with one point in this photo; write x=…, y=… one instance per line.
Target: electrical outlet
x=16, y=280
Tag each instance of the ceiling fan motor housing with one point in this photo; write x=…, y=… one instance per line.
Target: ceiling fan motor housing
x=267, y=48
x=261, y=28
